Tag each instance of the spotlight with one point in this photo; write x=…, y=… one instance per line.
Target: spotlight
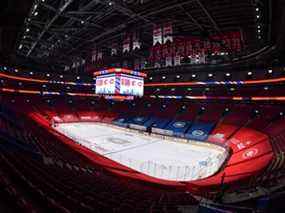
x=249, y=73
x=228, y=74
x=193, y=76
x=210, y=75
x=270, y=71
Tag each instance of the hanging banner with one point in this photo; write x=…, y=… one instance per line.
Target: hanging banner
x=177, y=60
x=127, y=43
x=136, y=41
x=114, y=49
x=167, y=32
x=94, y=56
x=137, y=64
x=157, y=35
x=100, y=56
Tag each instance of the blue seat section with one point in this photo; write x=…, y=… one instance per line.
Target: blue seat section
x=178, y=128
x=160, y=123
x=199, y=131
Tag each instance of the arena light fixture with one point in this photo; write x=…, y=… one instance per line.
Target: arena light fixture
x=36, y=13
x=193, y=76
x=47, y=75
x=228, y=74
x=163, y=77
x=31, y=73
x=178, y=76
x=28, y=30
x=150, y=78
x=266, y=88
x=270, y=71
x=210, y=75
x=249, y=73
x=78, y=78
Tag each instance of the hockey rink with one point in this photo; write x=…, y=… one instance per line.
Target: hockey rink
x=153, y=156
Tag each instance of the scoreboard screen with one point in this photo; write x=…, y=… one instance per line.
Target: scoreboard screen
x=131, y=85
x=120, y=84
x=105, y=84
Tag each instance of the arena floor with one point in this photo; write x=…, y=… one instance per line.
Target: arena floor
x=153, y=156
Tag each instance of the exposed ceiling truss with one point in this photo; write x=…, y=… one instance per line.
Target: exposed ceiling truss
x=64, y=29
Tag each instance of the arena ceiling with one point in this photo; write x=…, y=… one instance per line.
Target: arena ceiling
x=59, y=30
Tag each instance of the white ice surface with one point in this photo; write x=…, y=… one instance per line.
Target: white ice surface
x=152, y=156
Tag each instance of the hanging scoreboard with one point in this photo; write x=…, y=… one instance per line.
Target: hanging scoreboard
x=120, y=82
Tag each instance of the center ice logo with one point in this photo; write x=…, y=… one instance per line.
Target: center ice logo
x=197, y=133
x=179, y=124
x=119, y=141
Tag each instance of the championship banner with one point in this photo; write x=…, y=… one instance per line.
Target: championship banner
x=136, y=41
x=177, y=60
x=137, y=64
x=100, y=56
x=114, y=49
x=180, y=47
x=157, y=35
x=127, y=43
x=167, y=32
x=94, y=56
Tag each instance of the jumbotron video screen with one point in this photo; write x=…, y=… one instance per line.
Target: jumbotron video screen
x=120, y=84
